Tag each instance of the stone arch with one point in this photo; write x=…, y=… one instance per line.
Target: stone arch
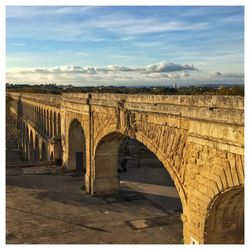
x=43, y=152
x=76, y=146
x=31, y=145
x=37, y=150
x=225, y=220
x=113, y=139
x=208, y=186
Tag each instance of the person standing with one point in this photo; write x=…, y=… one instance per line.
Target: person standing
x=124, y=165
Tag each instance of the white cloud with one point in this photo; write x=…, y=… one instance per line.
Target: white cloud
x=17, y=44
x=158, y=73
x=31, y=11
x=166, y=67
x=130, y=26
x=109, y=73
x=232, y=19
x=126, y=26
x=162, y=67
x=82, y=54
x=228, y=75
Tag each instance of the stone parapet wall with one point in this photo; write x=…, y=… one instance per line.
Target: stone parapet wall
x=226, y=109
x=47, y=99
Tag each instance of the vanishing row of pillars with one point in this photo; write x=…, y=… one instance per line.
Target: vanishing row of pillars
x=44, y=120
x=32, y=149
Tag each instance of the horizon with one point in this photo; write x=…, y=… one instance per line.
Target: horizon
x=125, y=45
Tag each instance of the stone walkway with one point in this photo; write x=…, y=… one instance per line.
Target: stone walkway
x=45, y=206
x=51, y=208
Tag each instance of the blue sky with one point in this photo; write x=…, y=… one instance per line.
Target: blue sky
x=88, y=45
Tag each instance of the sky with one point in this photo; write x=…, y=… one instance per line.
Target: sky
x=125, y=45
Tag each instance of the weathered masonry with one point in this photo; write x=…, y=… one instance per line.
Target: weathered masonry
x=199, y=140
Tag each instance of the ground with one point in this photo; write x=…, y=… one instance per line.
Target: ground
x=44, y=205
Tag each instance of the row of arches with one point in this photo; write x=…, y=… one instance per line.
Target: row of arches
x=46, y=120
x=33, y=148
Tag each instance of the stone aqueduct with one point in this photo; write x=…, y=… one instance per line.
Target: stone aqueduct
x=199, y=140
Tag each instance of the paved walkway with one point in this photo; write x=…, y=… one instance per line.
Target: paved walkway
x=50, y=208
x=154, y=182
x=44, y=206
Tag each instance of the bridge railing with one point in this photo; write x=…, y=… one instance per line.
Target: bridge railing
x=229, y=109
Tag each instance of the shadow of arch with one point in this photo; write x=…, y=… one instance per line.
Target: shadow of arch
x=23, y=134
x=31, y=146
x=27, y=148
x=37, y=150
x=225, y=221
x=44, y=153
x=111, y=141
x=52, y=156
x=77, y=146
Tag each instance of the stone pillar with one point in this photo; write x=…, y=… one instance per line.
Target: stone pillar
x=88, y=163
x=104, y=179
x=188, y=237
x=105, y=185
x=57, y=148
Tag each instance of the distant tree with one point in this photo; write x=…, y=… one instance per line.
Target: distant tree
x=234, y=90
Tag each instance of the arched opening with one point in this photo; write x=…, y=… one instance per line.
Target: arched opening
x=31, y=146
x=36, y=153
x=77, y=150
x=44, y=152
x=127, y=167
x=225, y=220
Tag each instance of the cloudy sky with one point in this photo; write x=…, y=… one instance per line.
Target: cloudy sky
x=86, y=45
